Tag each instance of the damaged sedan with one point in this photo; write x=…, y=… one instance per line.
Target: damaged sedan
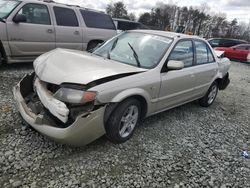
x=75, y=97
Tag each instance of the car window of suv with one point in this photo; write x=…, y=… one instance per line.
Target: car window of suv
x=184, y=52
x=65, y=17
x=35, y=13
x=97, y=20
x=203, y=53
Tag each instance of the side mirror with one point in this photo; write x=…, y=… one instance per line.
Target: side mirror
x=19, y=18
x=175, y=65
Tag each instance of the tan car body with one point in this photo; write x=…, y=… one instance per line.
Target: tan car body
x=23, y=42
x=158, y=90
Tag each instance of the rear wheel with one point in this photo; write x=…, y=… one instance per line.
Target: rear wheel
x=123, y=121
x=210, y=96
x=92, y=45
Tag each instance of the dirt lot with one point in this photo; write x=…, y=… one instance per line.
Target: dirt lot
x=189, y=146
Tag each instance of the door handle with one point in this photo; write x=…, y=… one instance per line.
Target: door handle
x=50, y=31
x=77, y=33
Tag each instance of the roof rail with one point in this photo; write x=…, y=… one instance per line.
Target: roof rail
x=89, y=9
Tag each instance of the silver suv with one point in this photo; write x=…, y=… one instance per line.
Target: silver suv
x=30, y=28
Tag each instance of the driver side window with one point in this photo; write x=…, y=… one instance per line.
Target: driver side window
x=35, y=14
x=184, y=52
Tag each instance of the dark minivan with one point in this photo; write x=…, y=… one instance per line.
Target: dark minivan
x=225, y=42
x=124, y=25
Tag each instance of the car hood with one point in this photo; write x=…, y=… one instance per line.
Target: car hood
x=70, y=66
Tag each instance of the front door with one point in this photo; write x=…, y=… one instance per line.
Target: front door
x=240, y=52
x=177, y=86
x=33, y=37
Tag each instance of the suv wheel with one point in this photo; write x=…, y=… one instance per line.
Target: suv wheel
x=210, y=96
x=123, y=121
x=92, y=45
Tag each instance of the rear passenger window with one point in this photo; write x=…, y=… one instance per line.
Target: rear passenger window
x=65, y=17
x=97, y=20
x=203, y=53
x=241, y=48
x=35, y=14
x=184, y=52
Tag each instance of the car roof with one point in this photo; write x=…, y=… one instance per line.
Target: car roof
x=167, y=34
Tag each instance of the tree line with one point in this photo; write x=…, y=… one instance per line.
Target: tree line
x=191, y=20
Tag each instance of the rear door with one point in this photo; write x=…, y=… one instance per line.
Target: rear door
x=177, y=86
x=33, y=37
x=205, y=68
x=68, y=31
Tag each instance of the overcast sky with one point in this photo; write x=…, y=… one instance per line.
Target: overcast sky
x=239, y=9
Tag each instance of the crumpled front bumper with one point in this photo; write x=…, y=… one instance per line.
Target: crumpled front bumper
x=85, y=129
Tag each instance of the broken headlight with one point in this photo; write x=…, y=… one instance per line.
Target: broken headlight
x=75, y=96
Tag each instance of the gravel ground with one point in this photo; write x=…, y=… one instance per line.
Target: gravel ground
x=189, y=146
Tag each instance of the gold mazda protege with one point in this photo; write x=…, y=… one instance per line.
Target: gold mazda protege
x=75, y=97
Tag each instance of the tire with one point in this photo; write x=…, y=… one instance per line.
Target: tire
x=92, y=45
x=210, y=96
x=123, y=121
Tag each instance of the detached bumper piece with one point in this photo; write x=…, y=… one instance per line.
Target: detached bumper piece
x=224, y=82
x=49, y=116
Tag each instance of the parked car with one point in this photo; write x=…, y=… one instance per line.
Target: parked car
x=29, y=28
x=240, y=52
x=124, y=25
x=224, y=42
x=131, y=76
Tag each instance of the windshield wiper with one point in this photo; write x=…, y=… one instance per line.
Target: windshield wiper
x=112, y=47
x=135, y=55
x=2, y=20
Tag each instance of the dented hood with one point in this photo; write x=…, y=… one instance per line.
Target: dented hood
x=70, y=66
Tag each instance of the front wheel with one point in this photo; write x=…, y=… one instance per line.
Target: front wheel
x=210, y=96
x=123, y=121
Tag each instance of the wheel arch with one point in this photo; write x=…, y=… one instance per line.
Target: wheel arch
x=112, y=105
x=2, y=51
x=222, y=81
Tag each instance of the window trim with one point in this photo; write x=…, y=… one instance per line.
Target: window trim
x=34, y=4
x=208, y=49
x=164, y=67
x=56, y=24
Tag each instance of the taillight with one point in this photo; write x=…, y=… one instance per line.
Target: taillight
x=248, y=58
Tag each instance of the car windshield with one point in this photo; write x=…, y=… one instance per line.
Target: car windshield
x=6, y=7
x=134, y=48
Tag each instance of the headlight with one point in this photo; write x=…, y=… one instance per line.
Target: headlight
x=75, y=96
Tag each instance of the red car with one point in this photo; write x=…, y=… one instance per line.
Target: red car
x=239, y=52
